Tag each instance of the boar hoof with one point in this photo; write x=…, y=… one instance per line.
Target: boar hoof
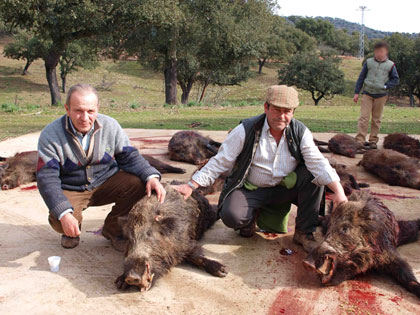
x=120, y=283
x=216, y=269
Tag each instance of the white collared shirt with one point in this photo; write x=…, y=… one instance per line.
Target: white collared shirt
x=271, y=162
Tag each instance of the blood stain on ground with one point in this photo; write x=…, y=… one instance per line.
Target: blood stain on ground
x=361, y=296
x=33, y=187
x=396, y=299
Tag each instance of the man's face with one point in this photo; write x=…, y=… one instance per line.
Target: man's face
x=381, y=53
x=278, y=117
x=83, y=110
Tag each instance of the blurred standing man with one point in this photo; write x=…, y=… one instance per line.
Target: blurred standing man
x=272, y=159
x=378, y=75
x=85, y=159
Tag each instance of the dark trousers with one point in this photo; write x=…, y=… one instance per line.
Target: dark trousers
x=240, y=206
x=123, y=188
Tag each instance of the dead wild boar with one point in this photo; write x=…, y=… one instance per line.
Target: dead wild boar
x=347, y=178
x=21, y=169
x=192, y=147
x=395, y=168
x=163, y=167
x=403, y=143
x=346, y=145
x=161, y=236
x=363, y=235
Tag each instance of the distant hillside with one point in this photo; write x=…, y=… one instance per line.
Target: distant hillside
x=355, y=27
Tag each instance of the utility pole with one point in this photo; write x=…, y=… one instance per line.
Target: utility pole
x=362, y=33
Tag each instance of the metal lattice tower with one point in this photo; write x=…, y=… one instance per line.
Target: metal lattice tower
x=362, y=33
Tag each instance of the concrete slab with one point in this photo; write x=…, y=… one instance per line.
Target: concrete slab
x=260, y=280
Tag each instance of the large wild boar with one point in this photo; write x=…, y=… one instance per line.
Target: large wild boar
x=21, y=169
x=192, y=147
x=393, y=167
x=163, y=167
x=403, y=143
x=363, y=235
x=161, y=236
x=347, y=178
x=346, y=145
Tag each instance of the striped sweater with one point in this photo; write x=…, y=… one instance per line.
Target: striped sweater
x=64, y=165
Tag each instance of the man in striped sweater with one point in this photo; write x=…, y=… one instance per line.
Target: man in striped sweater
x=85, y=159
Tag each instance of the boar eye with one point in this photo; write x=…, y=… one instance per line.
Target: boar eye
x=344, y=229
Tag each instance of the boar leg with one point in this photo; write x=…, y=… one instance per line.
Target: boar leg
x=402, y=272
x=213, y=267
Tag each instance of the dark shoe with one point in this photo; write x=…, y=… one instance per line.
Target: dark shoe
x=118, y=242
x=373, y=145
x=248, y=231
x=69, y=242
x=307, y=240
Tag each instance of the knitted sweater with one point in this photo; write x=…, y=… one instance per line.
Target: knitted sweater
x=64, y=165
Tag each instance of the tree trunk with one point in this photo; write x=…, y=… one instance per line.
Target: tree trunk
x=186, y=89
x=412, y=100
x=171, y=83
x=203, y=92
x=25, y=70
x=63, y=81
x=261, y=63
x=316, y=99
x=51, y=62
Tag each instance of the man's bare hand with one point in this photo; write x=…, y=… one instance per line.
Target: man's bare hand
x=184, y=190
x=339, y=196
x=356, y=98
x=153, y=184
x=70, y=225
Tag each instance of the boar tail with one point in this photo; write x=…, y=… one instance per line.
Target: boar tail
x=408, y=231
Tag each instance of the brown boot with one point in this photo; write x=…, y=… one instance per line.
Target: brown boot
x=119, y=243
x=307, y=240
x=69, y=242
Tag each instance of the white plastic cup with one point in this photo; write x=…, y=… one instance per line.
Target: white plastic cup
x=54, y=262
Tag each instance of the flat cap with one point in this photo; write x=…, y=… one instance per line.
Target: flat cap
x=282, y=96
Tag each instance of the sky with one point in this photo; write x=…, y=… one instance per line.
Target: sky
x=385, y=15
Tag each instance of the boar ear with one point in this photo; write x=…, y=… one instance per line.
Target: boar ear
x=168, y=224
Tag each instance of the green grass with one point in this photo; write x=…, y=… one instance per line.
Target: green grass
x=135, y=96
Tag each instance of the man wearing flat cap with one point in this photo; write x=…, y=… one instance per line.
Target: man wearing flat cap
x=271, y=159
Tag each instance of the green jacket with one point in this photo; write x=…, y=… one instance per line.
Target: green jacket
x=377, y=76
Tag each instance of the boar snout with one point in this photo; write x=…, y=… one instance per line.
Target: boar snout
x=5, y=187
x=133, y=278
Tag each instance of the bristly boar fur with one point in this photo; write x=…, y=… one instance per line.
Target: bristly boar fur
x=346, y=145
x=393, y=167
x=403, y=143
x=163, y=167
x=347, y=178
x=161, y=236
x=20, y=170
x=363, y=235
x=192, y=147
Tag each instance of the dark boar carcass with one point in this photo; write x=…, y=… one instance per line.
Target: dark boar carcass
x=363, y=235
x=403, y=143
x=192, y=147
x=346, y=145
x=161, y=236
x=162, y=167
x=21, y=169
x=347, y=178
x=393, y=167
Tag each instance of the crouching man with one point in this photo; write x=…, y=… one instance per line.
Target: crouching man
x=85, y=159
x=272, y=160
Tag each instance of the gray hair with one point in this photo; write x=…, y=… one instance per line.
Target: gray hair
x=83, y=88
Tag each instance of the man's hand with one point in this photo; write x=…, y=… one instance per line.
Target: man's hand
x=184, y=190
x=356, y=98
x=339, y=196
x=70, y=225
x=154, y=184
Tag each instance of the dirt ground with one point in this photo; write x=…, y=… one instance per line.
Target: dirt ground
x=260, y=280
